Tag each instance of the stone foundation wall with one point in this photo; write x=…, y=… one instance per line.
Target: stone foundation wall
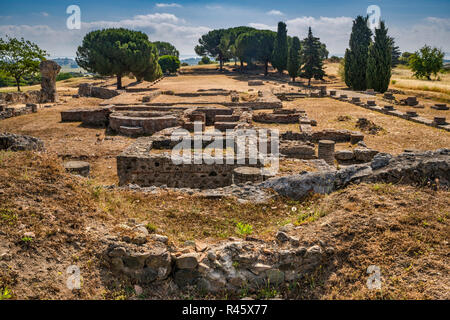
x=150, y=122
x=136, y=165
x=327, y=134
x=87, y=90
x=20, y=97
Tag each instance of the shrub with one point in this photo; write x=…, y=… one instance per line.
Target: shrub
x=244, y=229
x=169, y=64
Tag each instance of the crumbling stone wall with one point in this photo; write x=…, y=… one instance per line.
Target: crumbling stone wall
x=49, y=70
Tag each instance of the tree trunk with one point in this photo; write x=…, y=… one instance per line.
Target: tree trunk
x=221, y=64
x=242, y=66
x=18, y=84
x=293, y=79
x=266, y=68
x=309, y=82
x=119, y=82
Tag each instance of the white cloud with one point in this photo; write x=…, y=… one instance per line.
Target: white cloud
x=168, y=5
x=262, y=26
x=431, y=31
x=333, y=31
x=45, y=14
x=158, y=26
x=275, y=13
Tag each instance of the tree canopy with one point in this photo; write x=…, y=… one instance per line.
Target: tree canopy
x=169, y=63
x=19, y=58
x=356, y=56
x=379, y=61
x=216, y=44
x=312, y=61
x=117, y=52
x=294, y=59
x=426, y=61
x=166, y=49
x=280, y=51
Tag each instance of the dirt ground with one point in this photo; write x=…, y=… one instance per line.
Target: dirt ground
x=402, y=229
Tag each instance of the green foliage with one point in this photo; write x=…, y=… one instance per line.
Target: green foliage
x=341, y=70
x=205, y=60
x=404, y=58
x=395, y=53
x=169, y=63
x=379, y=61
x=216, y=44
x=312, y=61
x=426, y=61
x=118, y=52
x=68, y=75
x=20, y=58
x=356, y=56
x=280, y=51
x=335, y=59
x=151, y=227
x=294, y=59
x=5, y=294
x=244, y=229
x=166, y=49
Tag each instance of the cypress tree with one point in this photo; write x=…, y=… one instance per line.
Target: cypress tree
x=356, y=59
x=294, y=59
x=378, y=73
x=313, y=63
x=280, y=51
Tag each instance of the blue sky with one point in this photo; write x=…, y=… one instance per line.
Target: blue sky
x=413, y=23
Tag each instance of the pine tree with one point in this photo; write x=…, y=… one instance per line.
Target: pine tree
x=313, y=63
x=356, y=59
x=379, y=61
x=294, y=59
x=280, y=51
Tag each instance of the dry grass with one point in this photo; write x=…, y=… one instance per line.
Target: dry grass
x=402, y=229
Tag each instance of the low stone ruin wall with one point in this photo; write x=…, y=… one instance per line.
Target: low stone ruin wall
x=87, y=90
x=16, y=142
x=327, y=134
x=276, y=118
x=9, y=112
x=149, y=122
x=20, y=97
x=420, y=168
x=89, y=117
x=298, y=149
x=228, y=266
x=137, y=165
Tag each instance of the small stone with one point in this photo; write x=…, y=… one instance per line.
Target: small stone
x=138, y=290
x=160, y=238
x=200, y=246
x=29, y=235
x=187, y=261
x=5, y=257
x=282, y=237
x=259, y=267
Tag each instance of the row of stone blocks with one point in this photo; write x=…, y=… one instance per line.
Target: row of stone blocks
x=439, y=122
x=9, y=112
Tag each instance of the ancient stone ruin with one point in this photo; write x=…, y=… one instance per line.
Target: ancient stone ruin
x=49, y=70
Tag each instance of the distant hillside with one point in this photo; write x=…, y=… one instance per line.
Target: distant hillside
x=191, y=61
